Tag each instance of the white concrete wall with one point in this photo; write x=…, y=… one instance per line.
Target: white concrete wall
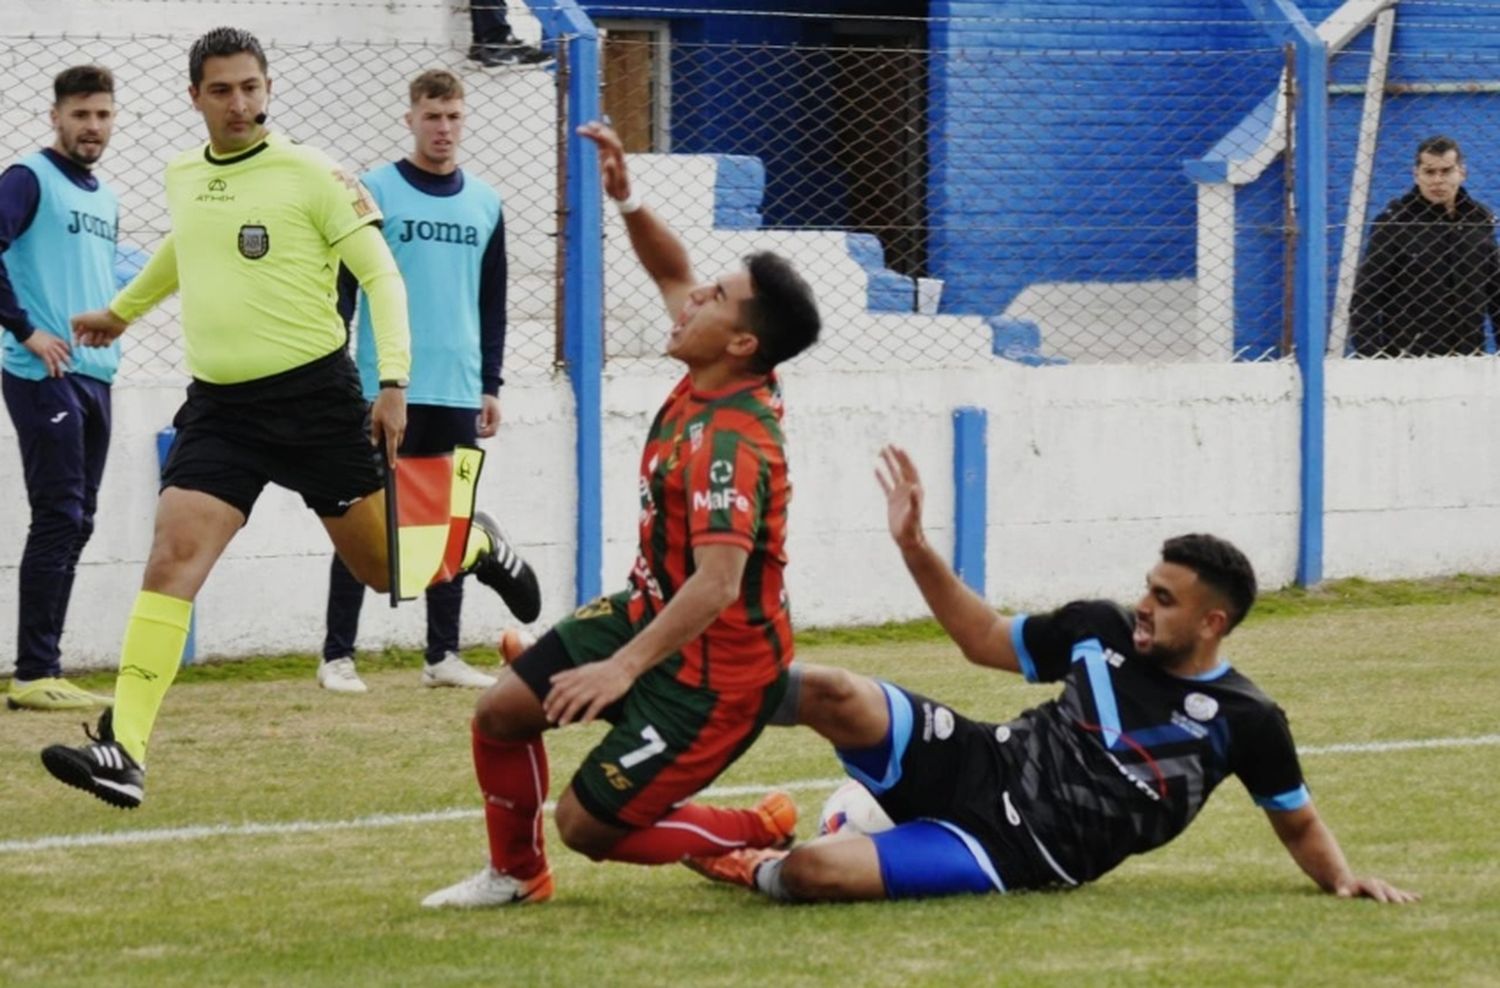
x=1089, y=469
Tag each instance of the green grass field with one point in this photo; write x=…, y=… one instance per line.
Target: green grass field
x=381, y=787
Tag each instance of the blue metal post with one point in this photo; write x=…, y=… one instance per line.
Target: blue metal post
x=164, y=440
x=1286, y=24
x=970, y=495
x=583, y=279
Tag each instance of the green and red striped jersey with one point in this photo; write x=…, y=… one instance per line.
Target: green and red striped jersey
x=714, y=472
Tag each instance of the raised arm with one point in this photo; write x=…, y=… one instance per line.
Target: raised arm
x=660, y=252
x=1313, y=846
x=980, y=632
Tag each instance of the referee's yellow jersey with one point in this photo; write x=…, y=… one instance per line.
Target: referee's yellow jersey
x=255, y=262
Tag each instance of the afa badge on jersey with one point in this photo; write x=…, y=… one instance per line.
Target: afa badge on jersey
x=255, y=241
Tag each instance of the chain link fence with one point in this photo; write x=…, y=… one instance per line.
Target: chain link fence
x=345, y=99
x=951, y=206
x=992, y=199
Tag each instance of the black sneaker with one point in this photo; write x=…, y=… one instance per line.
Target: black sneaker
x=511, y=51
x=504, y=571
x=102, y=768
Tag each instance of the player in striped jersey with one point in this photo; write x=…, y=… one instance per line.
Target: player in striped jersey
x=1150, y=720
x=689, y=661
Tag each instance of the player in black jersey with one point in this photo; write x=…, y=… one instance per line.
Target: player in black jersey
x=1149, y=722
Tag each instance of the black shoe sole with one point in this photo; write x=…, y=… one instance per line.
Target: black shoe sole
x=66, y=768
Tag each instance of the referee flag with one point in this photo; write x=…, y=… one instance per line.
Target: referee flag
x=431, y=500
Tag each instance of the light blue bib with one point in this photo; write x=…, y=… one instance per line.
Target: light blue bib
x=439, y=244
x=62, y=265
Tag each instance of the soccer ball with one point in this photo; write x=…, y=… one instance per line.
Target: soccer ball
x=851, y=808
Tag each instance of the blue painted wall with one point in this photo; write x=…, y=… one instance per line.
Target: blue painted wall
x=738, y=89
x=1059, y=133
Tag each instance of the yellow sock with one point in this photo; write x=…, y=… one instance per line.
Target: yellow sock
x=149, y=660
x=478, y=545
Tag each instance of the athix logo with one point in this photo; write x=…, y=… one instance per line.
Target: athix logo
x=218, y=191
x=58, y=417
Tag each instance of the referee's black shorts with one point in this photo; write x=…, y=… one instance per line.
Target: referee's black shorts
x=306, y=429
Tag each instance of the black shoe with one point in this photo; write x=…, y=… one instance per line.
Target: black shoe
x=102, y=768
x=504, y=571
x=511, y=51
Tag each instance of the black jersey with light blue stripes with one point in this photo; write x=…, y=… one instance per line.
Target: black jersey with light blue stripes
x=1125, y=758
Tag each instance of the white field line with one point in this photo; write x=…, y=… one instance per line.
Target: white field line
x=440, y=816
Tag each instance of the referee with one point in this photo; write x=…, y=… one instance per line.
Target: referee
x=57, y=255
x=259, y=227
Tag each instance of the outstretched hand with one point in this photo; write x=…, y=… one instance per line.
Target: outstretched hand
x=100, y=327
x=1375, y=888
x=611, y=158
x=898, y=478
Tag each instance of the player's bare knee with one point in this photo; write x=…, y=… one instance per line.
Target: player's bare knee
x=845, y=708
x=581, y=832
x=808, y=874
x=509, y=711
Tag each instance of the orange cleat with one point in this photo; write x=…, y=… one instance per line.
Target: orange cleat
x=778, y=814
x=736, y=867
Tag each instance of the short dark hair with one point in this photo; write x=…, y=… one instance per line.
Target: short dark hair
x=219, y=42
x=1437, y=146
x=781, y=310
x=1220, y=565
x=436, y=84
x=82, y=80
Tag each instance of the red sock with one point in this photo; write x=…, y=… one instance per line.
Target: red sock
x=693, y=830
x=513, y=778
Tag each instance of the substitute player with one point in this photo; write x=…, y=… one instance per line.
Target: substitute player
x=446, y=231
x=1151, y=719
x=58, y=223
x=689, y=661
x=259, y=228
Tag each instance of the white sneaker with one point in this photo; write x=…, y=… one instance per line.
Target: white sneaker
x=491, y=888
x=339, y=676
x=454, y=671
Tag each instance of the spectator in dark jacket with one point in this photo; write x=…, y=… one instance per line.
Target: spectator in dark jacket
x=1432, y=272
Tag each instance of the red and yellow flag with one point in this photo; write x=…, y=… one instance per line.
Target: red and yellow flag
x=431, y=501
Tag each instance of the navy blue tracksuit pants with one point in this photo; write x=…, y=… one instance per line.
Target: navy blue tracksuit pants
x=62, y=424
